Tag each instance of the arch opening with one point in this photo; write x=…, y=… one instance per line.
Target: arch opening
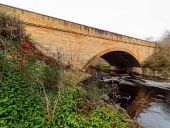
x=121, y=59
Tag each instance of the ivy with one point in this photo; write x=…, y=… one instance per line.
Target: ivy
x=31, y=94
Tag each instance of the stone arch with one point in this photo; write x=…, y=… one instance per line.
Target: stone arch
x=100, y=54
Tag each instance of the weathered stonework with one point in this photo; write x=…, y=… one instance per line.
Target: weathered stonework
x=78, y=44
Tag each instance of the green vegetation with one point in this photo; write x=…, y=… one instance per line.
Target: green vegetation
x=161, y=59
x=36, y=93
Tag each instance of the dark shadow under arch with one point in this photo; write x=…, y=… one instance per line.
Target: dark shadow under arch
x=118, y=57
x=121, y=59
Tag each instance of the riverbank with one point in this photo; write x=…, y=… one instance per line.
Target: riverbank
x=38, y=91
x=27, y=100
x=162, y=75
x=134, y=96
x=157, y=75
x=158, y=79
x=104, y=90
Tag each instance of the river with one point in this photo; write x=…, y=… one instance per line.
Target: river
x=149, y=104
x=146, y=101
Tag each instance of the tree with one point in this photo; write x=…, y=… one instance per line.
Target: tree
x=161, y=58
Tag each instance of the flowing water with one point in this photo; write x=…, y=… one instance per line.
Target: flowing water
x=146, y=101
x=149, y=104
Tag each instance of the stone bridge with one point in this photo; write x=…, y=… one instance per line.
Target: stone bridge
x=81, y=45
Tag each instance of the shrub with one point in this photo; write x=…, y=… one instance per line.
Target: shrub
x=161, y=58
x=158, y=60
x=11, y=27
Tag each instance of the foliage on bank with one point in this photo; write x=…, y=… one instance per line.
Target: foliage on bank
x=160, y=60
x=35, y=93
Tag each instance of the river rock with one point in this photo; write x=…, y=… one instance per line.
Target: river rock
x=128, y=120
x=106, y=98
x=120, y=109
x=110, y=106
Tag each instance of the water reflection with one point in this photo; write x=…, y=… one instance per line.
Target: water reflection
x=146, y=101
x=141, y=101
x=149, y=105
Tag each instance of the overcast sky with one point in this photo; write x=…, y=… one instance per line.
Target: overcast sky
x=136, y=18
